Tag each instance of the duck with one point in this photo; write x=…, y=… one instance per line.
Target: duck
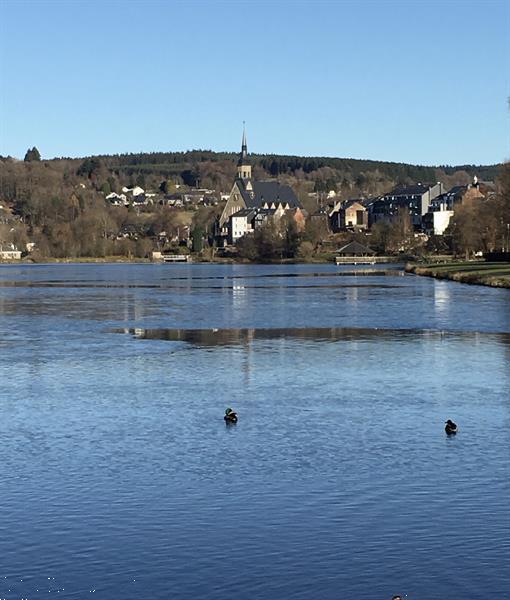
x=450, y=427
x=230, y=416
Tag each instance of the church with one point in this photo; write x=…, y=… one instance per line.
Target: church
x=254, y=199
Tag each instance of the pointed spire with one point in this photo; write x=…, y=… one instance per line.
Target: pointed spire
x=243, y=157
x=244, y=147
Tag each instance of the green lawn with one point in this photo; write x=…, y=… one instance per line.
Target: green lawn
x=494, y=274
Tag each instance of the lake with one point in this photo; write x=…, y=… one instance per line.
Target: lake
x=119, y=477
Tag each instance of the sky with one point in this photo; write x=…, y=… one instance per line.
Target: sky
x=420, y=82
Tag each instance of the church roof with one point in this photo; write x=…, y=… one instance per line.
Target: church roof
x=267, y=191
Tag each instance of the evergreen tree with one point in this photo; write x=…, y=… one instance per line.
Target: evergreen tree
x=89, y=167
x=32, y=155
x=197, y=239
x=106, y=188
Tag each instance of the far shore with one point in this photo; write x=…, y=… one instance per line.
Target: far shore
x=196, y=259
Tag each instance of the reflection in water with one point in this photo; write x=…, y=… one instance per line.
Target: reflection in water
x=442, y=299
x=166, y=282
x=239, y=297
x=230, y=337
x=352, y=295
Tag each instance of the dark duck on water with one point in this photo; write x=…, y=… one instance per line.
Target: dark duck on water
x=450, y=427
x=230, y=416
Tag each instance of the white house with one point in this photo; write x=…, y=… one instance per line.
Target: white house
x=435, y=222
x=10, y=254
x=241, y=223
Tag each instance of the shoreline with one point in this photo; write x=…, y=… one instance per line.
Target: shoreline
x=196, y=260
x=474, y=273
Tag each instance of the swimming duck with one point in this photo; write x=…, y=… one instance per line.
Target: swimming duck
x=230, y=416
x=450, y=427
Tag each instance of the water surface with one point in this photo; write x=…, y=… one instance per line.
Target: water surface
x=119, y=475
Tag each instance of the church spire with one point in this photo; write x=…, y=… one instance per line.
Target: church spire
x=244, y=146
x=243, y=165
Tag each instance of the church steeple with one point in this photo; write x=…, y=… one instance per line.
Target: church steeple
x=243, y=165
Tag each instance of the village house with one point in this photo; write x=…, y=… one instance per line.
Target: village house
x=247, y=220
x=460, y=194
x=117, y=199
x=350, y=215
x=436, y=221
x=416, y=199
x=193, y=197
x=442, y=208
x=9, y=252
x=261, y=196
x=241, y=223
x=134, y=191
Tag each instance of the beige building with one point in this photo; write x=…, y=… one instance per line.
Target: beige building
x=348, y=215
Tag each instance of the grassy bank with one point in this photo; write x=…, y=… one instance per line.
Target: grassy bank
x=480, y=273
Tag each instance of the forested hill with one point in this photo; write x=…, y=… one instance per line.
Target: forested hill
x=172, y=163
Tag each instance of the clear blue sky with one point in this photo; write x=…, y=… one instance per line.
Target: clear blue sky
x=419, y=82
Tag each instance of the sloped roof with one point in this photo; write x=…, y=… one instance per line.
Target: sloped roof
x=350, y=203
x=458, y=189
x=266, y=212
x=245, y=212
x=355, y=249
x=268, y=191
x=411, y=190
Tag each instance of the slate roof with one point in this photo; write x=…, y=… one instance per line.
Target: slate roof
x=355, y=249
x=411, y=190
x=245, y=212
x=458, y=189
x=265, y=212
x=267, y=191
x=243, y=160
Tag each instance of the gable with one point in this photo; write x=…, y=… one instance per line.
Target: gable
x=234, y=204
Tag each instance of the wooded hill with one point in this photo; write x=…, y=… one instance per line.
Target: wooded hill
x=187, y=166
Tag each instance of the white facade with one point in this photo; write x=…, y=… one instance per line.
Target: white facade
x=240, y=227
x=441, y=220
x=10, y=255
x=136, y=191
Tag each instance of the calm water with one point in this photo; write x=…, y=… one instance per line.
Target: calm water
x=119, y=478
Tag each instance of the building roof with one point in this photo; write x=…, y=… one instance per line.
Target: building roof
x=267, y=191
x=458, y=189
x=245, y=212
x=355, y=249
x=411, y=190
x=265, y=212
x=349, y=203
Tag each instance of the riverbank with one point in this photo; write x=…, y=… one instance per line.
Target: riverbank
x=28, y=260
x=495, y=274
